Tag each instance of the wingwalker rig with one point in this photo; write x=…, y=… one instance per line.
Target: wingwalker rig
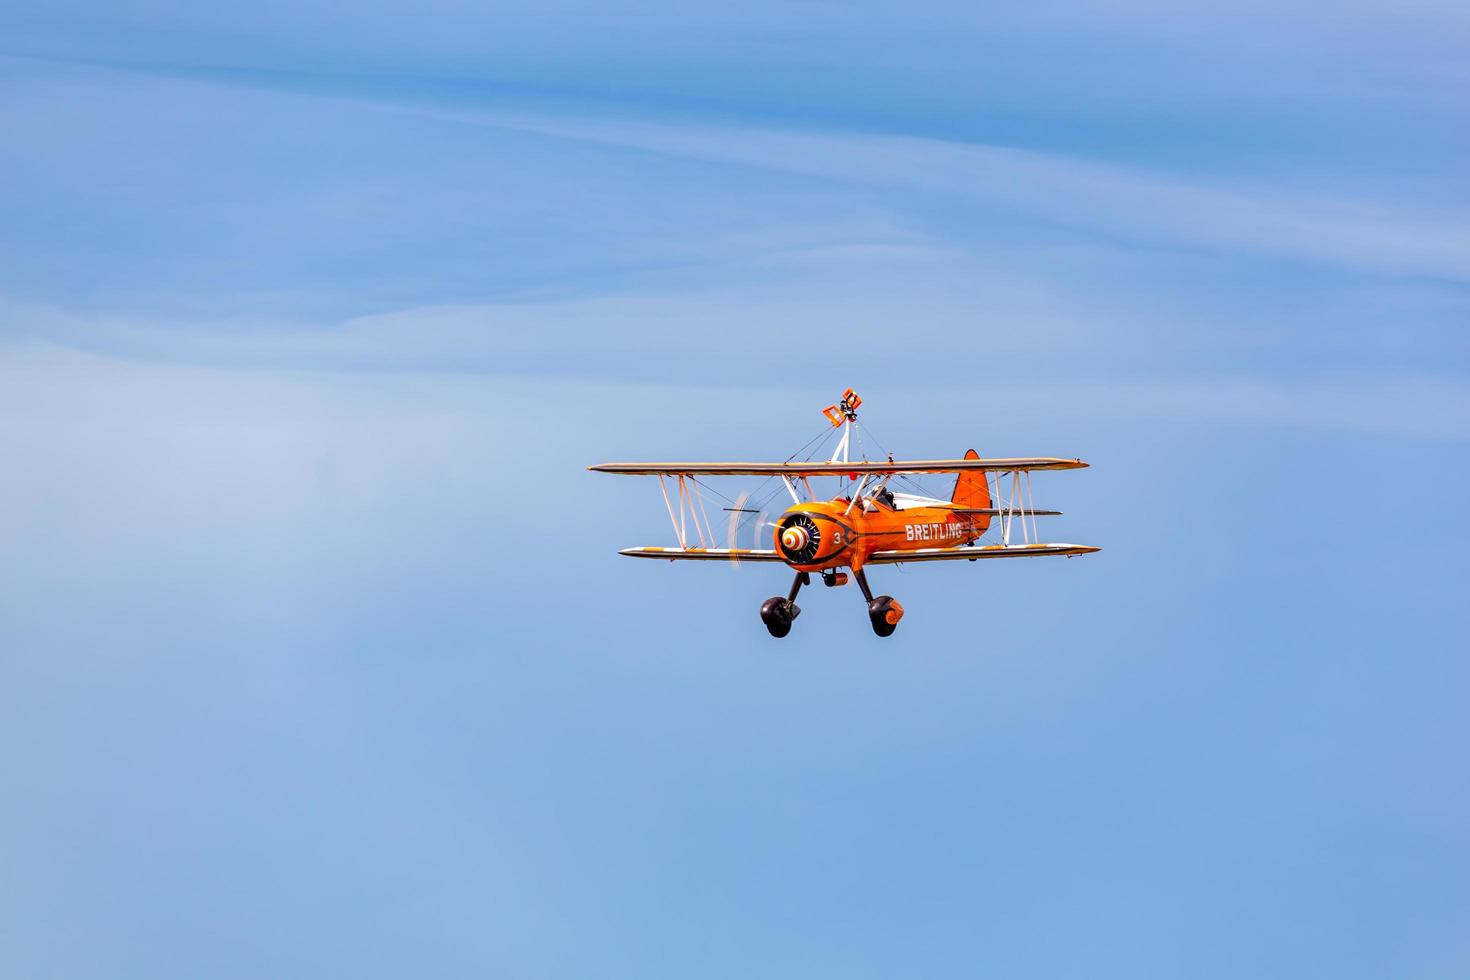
x=867, y=523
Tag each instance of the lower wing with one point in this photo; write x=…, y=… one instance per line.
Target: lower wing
x=703, y=554
x=974, y=554
x=876, y=558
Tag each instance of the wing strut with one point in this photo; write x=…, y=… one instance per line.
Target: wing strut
x=1019, y=503
x=691, y=501
x=678, y=531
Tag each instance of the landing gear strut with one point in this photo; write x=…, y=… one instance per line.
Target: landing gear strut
x=778, y=613
x=884, y=612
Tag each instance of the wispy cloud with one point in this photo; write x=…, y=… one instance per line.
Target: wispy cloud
x=630, y=248
x=646, y=344
x=1128, y=204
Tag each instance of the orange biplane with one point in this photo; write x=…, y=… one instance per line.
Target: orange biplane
x=867, y=523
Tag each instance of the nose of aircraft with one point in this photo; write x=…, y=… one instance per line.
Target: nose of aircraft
x=794, y=538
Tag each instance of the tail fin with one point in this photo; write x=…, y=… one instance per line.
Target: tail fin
x=971, y=490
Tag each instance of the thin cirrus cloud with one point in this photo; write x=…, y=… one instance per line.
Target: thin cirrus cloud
x=984, y=190
x=326, y=225
x=1118, y=201
x=554, y=352
x=632, y=247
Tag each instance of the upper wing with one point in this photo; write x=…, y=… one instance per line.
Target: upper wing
x=702, y=554
x=984, y=551
x=837, y=469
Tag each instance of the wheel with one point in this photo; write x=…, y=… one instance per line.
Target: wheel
x=884, y=613
x=777, y=612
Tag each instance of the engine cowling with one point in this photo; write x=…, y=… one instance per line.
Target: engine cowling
x=799, y=539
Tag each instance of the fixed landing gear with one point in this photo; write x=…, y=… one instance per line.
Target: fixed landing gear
x=779, y=612
x=884, y=612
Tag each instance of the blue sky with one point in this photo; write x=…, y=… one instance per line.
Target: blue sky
x=316, y=655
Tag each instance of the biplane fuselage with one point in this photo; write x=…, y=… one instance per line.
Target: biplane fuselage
x=847, y=533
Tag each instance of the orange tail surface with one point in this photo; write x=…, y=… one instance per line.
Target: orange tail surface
x=971, y=490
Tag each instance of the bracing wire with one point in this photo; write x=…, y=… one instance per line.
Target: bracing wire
x=909, y=481
x=814, y=444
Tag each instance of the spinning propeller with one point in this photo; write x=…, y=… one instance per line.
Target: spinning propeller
x=759, y=527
